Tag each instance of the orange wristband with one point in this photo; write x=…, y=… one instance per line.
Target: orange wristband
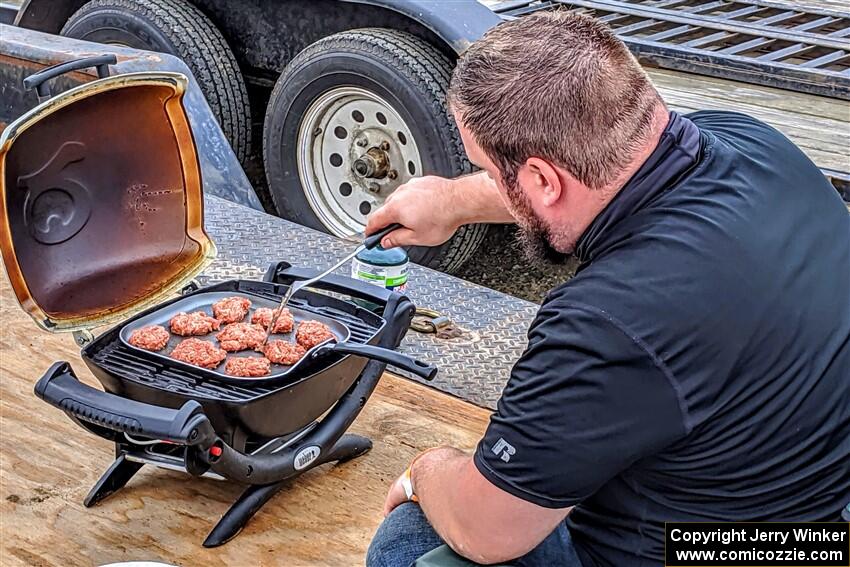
x=407, y=477
x=407, y=485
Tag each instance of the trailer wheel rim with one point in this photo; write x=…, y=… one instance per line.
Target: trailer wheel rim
x=354, y=150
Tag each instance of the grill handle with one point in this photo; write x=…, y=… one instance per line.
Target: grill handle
x=61, y=388
x=38, y=80
x=394, y=358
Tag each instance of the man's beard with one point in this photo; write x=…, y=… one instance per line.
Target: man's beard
x=535, y=237
x=536, y=242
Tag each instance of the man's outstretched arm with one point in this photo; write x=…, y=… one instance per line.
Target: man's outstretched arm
x=475, y=518
x=432, y=208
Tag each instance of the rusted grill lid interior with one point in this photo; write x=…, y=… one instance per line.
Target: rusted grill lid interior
x=102, y=208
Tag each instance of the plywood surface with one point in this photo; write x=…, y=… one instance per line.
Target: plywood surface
x=48, y=464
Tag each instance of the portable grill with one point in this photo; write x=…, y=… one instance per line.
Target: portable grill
x=101, y=221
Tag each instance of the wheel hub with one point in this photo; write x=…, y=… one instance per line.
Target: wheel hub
x=354, y=150
x=374, y=164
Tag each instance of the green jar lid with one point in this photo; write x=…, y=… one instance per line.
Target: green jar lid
x=377, y=256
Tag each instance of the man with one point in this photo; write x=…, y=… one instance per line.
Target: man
x=696, y=368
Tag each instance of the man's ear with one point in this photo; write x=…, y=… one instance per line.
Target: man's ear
x=544, y=179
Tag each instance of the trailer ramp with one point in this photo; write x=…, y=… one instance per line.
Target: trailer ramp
x=755, y=41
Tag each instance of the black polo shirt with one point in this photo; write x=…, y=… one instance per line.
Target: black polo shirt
x=697, y=367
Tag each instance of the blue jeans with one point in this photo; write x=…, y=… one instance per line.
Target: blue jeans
x=406, y=536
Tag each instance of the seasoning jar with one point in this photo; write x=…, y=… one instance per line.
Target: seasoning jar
x=385, y=268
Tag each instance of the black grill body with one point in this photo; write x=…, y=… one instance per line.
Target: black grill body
x=240, y=412
x=165, y=415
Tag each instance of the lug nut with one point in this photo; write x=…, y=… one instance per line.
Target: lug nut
x=374, y=187
x=385, y=145
x=392, y=174
x=362, y=141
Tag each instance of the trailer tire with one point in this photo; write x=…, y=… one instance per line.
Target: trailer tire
x=177, y=28
x=390, y=75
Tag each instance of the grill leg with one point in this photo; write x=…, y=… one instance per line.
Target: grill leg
x=248, y=504
x=348, y=447
x=115, y=477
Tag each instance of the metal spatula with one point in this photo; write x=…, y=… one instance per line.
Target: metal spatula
x=368, y=243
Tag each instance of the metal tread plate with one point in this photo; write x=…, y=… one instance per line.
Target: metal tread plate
x=473, y=367
x=756, y=41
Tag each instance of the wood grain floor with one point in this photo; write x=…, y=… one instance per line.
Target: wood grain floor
x=48, y=464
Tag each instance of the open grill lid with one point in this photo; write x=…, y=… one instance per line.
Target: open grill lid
x=101, y=207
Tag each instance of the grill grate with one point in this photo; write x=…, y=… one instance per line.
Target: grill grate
x=757, y=41
x=123, y=362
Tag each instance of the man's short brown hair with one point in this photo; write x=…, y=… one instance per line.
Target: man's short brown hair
x=559, y=86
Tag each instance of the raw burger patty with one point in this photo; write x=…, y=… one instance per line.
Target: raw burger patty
x=154, y=337
x=283, y=352
x=311, y=333
x=231, y=309
x=197, y=323
x=241, y=336
x=247, y=366
x=284, y=323
x=198, y=352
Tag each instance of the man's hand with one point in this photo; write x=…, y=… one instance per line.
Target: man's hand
x=425, y=207
x=395, y=496
x=432, y=208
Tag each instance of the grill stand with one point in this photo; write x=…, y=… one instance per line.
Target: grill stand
x=348, y=447
x=131, y=458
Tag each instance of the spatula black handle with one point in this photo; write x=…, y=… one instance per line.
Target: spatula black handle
x=374, y=239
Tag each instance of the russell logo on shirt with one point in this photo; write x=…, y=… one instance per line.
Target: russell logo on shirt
x=505, y=448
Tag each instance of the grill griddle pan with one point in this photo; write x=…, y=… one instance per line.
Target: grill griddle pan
x=203, y=302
